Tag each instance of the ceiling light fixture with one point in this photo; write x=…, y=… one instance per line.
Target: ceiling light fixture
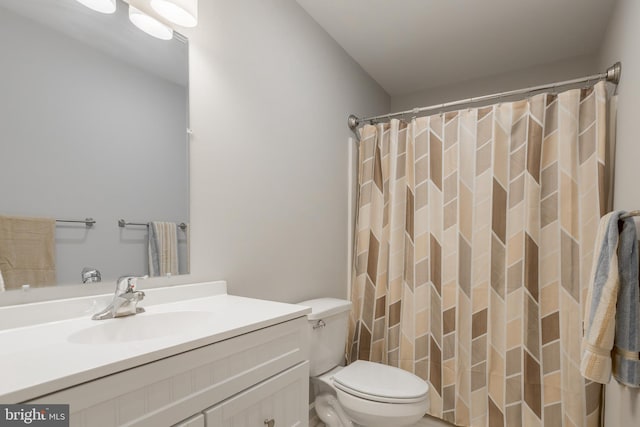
x=102, y=6
x=180, y=12
x=149, y=25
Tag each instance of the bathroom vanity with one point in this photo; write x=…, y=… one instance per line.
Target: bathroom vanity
x=210, y=359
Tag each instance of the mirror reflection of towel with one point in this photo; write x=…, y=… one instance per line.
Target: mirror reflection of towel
x=27, y=251
x=163, y=248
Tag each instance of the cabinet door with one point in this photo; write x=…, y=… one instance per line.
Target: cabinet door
x=197, y=421
x=280, y=401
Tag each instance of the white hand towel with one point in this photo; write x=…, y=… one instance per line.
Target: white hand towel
x=163, y=248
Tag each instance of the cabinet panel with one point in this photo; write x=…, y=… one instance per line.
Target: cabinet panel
x=283, y=400
x=197, y=421
x=170, y=390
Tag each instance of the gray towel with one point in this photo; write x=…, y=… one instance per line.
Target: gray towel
x=626, y=354
x=612, y=330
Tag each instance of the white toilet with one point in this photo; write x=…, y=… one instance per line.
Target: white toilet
x=364, y=393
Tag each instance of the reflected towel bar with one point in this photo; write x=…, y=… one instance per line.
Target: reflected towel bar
x=122, y=223
x=88, y=222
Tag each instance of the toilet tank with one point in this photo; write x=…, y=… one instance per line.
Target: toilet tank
x=328, y=326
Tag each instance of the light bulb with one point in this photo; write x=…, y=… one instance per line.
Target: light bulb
x=149, y=25
x=102, y=6
x=180, y=12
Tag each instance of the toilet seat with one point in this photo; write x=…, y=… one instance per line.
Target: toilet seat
x=380, y=383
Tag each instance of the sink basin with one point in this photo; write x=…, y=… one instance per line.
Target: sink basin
x=143, y=326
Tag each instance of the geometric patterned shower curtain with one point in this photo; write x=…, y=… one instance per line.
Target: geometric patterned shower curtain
x=474, y=242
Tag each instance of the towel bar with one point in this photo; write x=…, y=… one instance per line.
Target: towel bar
x=122, y=223
x=630, y=214
x=88, y=222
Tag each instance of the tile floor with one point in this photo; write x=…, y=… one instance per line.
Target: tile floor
x=425, y=422
x=431, y=422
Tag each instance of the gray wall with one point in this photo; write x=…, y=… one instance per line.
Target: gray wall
x=533, y=76
x=270, y=94
x=621, y=44
x=86, y=135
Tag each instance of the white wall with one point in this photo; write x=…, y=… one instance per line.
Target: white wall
x=83, y=134
x=621, y=44
x=542, y=74
x=270, y=92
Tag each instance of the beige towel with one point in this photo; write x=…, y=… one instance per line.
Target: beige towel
x=163, y=248
x=27, y=251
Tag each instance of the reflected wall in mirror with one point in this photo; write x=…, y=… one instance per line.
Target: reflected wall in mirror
x=93, y=123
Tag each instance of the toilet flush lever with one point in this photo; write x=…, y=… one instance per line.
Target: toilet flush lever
x=270, y=423
x=319, y=324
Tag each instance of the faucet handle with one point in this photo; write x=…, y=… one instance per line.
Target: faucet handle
x=126, y=284
x=90, y=275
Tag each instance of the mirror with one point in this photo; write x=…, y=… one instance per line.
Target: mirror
x=93, y=124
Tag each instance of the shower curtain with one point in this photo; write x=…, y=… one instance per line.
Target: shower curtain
x=474, y=242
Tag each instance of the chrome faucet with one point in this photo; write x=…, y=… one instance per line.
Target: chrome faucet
x=125, y=299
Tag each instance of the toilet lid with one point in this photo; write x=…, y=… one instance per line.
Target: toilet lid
x=379, y=382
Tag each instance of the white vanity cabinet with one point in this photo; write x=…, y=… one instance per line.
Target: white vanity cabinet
x=278, y=401
x=256, y=379
x=195, y=421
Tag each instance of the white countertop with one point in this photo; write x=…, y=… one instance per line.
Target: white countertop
x=40, y=359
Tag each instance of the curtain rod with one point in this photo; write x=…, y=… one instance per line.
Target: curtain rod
x=611, y=75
